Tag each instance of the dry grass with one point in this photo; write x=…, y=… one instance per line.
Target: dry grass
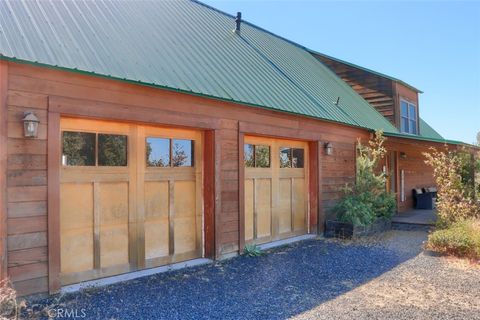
x=461, y=239
x=8, y=300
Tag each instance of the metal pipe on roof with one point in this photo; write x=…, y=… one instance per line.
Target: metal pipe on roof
x=238, y=21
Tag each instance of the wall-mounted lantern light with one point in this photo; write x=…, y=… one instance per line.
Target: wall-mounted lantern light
x=30, y=125
x=403, y=155
x=328, y=148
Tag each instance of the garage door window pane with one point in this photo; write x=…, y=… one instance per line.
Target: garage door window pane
x=182, y=153
x=262, y=156
x=248, y=155
x=285, y=157
x=158, y=152
x=298, y=158
x=78, y=148
x=112, y=150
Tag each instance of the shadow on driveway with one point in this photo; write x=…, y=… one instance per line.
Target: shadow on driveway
x=285, y=282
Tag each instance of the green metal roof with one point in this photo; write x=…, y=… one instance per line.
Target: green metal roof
x=184, y=46
x=180, y=45
x=422, y=138
x=366, y=70
x=427, y=131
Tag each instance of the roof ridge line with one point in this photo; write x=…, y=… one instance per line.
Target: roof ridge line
x=252, y=25
x=311, y=51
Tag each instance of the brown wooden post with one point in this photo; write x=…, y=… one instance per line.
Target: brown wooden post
x=241, y=193
x=218, y=189
x=397, y=179
x=321, y=209
x=209, y=192
x=53, y=201
x=3, y=167
x=313, y=185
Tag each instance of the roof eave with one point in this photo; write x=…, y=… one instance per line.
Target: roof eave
x=158, y=86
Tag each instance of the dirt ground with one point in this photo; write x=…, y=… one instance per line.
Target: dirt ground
x=424, y=287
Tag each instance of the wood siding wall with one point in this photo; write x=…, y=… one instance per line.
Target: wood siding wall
x=376, y=90
x=51, y=93
x=3, y=167
x=26, y=192
x=417, y=173
x=403, y=93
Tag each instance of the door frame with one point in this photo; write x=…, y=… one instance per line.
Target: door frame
x=313, y=172
x=210, y=164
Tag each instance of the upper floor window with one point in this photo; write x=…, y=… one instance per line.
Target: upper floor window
x=408, y=117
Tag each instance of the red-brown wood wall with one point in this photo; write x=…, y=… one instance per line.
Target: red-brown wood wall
x=51, y=93
x=417, y=173
x=402, y=92
x=3, y=167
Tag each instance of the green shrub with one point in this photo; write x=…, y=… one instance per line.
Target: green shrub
x=354, y=208
x=364, y=208
x=366, y=200
x=461, y=238
x=252, y=250
x=384, y=205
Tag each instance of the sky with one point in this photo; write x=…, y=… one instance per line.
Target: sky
x=432, y=45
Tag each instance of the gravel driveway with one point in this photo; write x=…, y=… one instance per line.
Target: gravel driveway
x=387, y=277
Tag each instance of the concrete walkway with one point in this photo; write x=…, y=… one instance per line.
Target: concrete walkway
x=416, y=216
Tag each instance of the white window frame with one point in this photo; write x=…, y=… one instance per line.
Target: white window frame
x=409, y=118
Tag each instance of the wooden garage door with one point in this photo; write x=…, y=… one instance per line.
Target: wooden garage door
x=130, y=198
x=276, y=189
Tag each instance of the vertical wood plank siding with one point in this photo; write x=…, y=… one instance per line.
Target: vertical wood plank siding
x=53, y=93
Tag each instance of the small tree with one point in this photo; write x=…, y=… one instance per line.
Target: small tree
x=469, y=165
x=455, y=199
x=368, y=198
